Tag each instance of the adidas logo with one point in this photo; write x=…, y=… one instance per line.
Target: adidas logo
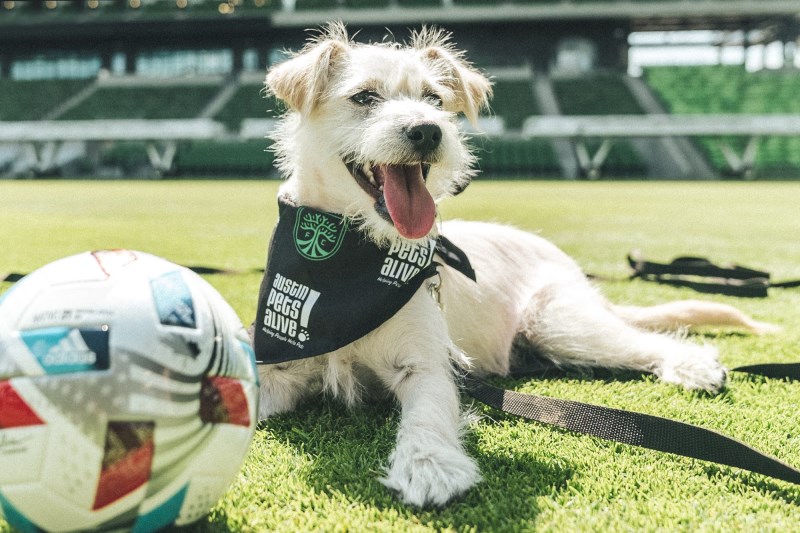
x=71, y=350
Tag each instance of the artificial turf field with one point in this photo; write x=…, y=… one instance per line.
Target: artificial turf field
x=317, y=469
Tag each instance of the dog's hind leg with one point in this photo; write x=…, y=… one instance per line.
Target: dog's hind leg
x=572, y=324
x=689, y=313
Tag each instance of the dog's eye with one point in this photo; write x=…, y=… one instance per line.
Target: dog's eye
x=433, y=99
x=366, y=98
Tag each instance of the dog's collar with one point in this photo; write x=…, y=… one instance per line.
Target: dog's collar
x=326, y=285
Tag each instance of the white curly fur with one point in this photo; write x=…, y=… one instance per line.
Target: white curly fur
x=526, y=286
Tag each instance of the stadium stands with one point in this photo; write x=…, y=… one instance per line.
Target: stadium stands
x=234, y=158
x=249, y=101
x=731, y=89
x=595, y=94
x=683, y=90
x=129, y=158
x=511, y=157
x=143, y=102
x=514, y=101
x=603, y=94
x=95, y=60
x=33, y=100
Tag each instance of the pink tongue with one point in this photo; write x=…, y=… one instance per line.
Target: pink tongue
x=409, y=203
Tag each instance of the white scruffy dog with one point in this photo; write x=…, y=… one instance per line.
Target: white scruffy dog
x=371, y=133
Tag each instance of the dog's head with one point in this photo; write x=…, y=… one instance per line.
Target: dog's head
x=371, y=130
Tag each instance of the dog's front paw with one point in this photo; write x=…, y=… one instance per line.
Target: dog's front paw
x=695, y=368
x=430, y=473
x=280, y=389
x=273, y=404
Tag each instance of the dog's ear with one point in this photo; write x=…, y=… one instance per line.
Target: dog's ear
x=302, y=80
x=472, y=89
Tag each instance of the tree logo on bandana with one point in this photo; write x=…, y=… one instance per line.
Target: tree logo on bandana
x=317, y=235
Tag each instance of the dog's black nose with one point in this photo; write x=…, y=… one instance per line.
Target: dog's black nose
x=425, y=137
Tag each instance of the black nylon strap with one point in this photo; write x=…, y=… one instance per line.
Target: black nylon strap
x=786, y=284
x=773, y=370
x=637, y=429
x=749, y=288
x=692, y=266
x=702, y=275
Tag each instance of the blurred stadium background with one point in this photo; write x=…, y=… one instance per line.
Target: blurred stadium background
x=584, y=89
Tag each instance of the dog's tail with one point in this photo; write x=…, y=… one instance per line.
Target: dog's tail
x=690, y=313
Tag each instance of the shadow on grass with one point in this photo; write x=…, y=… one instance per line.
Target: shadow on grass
x=534, y=367
x=351, y=447
x=715, y=334
x=775, y=490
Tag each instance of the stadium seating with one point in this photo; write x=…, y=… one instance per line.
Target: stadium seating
x=514, y=101
x=32, y=100
x=128, y=157
x=602, y=94
x=315, y=4
x=249, y=101
x=209, y=158
x=509, y=157
x=731, y=89
x=598, y=94
x=683, y=90
x=149, y=102
x=417, y=3
x=197, y=158
x=372, y=4
x=623, y=161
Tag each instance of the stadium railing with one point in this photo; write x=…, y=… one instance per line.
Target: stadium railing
x=513, y=155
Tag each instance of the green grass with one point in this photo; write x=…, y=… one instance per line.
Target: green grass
x=317, y=469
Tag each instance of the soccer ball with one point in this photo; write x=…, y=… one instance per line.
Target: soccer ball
x=128, y=395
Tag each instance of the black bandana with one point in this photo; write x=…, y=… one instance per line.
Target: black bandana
x=326, y=285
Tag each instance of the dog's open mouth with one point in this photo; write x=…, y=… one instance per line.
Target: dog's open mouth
x=400, y=194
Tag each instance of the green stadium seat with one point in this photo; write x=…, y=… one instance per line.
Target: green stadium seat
x=128, y=156
x=603, y=94
x=524, y=158
x=211, y=158
x=599, y=94
x=514, y=101
x=32, y=100
x=366, y=4
x=249, y=101
x=622, y=161
x=150, y=102
x=419, y=3
x=731, y=89
x=315, y=4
